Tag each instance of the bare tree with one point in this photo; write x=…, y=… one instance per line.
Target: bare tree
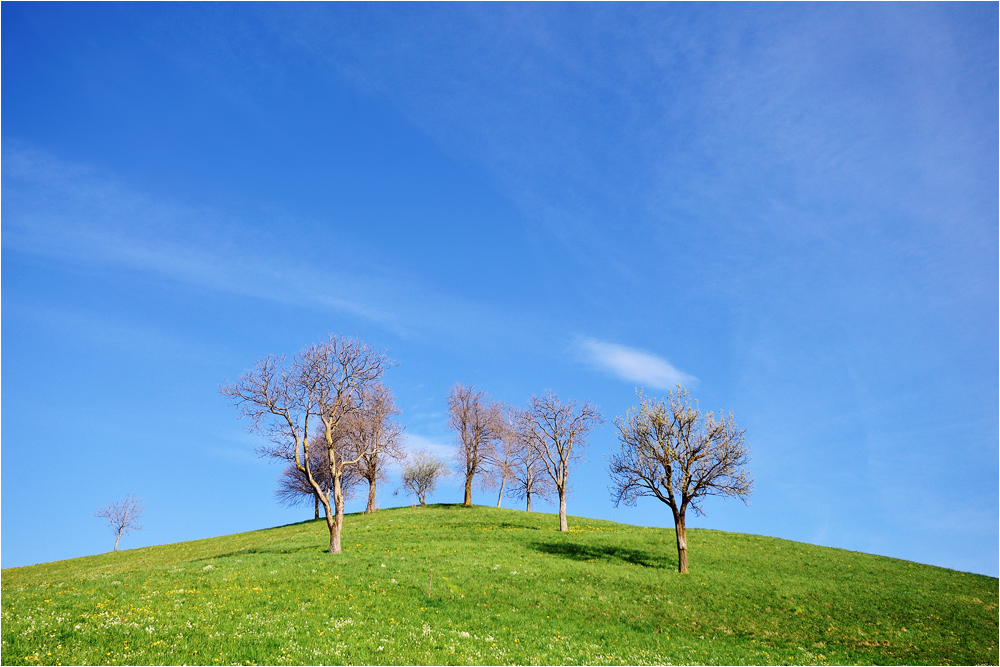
x=373, y=434
x=294, y=487
x=499, y=467
x=672, y=452
x=122, y=516
x=479, y=423
x=558, y=433
x=421, y=474
x=528, y=477
x=316, y=389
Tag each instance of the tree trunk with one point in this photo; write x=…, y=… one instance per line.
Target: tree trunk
x=468, y=490
x=371, y=497
x=328, y=513
x=338, y=519
x=503, y=480
x=682, y=550
x=563, y=525
x=316, y=500
x=528, y=496
x=331, y=521
x=118, y=539
x=340, y=525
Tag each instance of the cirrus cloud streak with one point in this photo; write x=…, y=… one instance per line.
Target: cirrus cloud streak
x=632, y=364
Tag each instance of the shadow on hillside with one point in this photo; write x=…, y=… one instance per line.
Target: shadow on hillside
x=252, y=551
x=607, y=554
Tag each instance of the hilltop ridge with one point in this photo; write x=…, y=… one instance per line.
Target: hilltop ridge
x=507, y=588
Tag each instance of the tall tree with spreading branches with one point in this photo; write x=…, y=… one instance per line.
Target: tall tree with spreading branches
x=314, y=390
x=478, y=422
x=558, y=433
x=674, y=453
x=122, y=516
x=373, y=433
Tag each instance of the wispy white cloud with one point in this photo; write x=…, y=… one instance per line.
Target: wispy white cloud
x=69, y=211
x=413, y=442
x=632, y=364
x=72, y=212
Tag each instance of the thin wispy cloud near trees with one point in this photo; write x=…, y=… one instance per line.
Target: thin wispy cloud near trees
x=632, y=365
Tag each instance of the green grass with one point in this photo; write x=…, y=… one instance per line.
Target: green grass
x=508, y=588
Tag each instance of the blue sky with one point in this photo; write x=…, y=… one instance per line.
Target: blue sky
x=791, y=209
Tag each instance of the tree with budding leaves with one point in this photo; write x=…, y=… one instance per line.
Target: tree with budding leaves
x=672, y=452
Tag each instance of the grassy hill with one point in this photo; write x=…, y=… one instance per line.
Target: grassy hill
x=508, y=588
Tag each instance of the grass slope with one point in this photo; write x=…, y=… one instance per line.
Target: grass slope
x=508, y=588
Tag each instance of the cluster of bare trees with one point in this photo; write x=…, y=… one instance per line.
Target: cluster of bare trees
x=371, y=435
x=527, y=452
x=670, y=450
x=327, y=415
x=333, y=423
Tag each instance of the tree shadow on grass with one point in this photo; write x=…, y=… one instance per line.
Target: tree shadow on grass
x=262, y=551
x=606, y=554
x=504, y=525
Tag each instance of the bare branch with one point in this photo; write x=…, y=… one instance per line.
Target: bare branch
x=498, y=468
x=293, y=484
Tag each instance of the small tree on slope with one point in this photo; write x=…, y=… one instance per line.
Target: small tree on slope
x=122, y=516
x=557, y=432
x=528, y=478
x=478, y=422
x=373, y=433
x=500, y=466
x=421, y=474
x=672, y=452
